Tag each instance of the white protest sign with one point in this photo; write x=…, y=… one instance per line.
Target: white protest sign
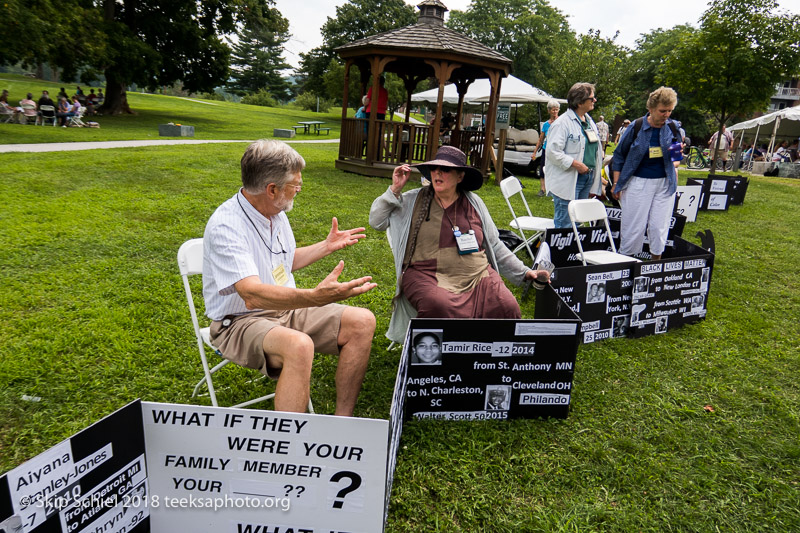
x=250, y=471
x=689, y=197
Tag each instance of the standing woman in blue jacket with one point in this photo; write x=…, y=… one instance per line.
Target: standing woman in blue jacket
x=645, y=179
x=573, y=157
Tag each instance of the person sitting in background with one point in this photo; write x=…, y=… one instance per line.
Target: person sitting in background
x=64, y=111
x=62, y=94
x=782, y=155
x=45, y=100
x=28, y=108
x=448, y=255
x=91, y=100
x=793, y=151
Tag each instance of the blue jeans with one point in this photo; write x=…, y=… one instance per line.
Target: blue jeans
x=582, y=188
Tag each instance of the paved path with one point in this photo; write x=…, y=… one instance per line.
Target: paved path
x=67, y=147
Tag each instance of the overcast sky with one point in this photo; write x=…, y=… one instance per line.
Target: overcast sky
x=630, y=17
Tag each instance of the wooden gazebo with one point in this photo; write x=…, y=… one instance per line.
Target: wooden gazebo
x=423, y=50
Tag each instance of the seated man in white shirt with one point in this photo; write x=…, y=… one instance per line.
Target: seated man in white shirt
x=260, y=318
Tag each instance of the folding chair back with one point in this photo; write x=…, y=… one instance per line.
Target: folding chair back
x=29, y=113
x=190, y=262
x=6, y=114
x=48, y=112
x=593, y=210
x=75, y=120
x=527, y=222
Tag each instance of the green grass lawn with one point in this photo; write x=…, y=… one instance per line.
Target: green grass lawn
x=94, y=316
x=211, y=119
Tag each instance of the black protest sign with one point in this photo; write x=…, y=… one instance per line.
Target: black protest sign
x=719, y=192
x=671, y=292
x=490, y=369
x=600, y=295
x=85, y=483
x=739, y=189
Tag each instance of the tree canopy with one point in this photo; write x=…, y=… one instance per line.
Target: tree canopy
x=532, y=33
x=732, y=64
x=148, y=42
x=354, y=20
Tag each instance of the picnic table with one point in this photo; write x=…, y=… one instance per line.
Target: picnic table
x=308, y=125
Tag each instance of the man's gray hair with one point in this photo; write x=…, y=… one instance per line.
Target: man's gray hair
x=267, y=161
x=553, y=104
x=579, y=93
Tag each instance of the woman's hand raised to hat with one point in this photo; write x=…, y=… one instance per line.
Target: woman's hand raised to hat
x=400, y=177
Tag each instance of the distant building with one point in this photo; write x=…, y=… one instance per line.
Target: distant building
x=787, y=94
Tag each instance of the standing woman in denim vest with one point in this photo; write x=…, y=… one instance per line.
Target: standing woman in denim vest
x=573, y=157
x=645, y=179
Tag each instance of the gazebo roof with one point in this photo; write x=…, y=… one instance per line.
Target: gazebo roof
x=425, y=37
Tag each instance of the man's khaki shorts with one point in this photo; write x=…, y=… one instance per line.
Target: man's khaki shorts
x=243, y=340
x=721, y=154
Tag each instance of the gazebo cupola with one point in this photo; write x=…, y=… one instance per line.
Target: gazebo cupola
x=431, y=12
x=426, y=49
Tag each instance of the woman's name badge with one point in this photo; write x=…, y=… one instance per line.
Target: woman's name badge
x=467, y=243
x=591, y=136
x=655, y=151
x=279, y=275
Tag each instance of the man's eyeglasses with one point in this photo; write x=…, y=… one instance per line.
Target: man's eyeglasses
x=592, y=98
x=297, y=188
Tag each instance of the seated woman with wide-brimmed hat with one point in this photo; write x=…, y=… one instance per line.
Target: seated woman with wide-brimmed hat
x=447, y=250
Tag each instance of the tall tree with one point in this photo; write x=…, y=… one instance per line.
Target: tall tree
x=354, y=20
x=731, y=65
x=257, y=57
x=155, y=43
x=532, y=33
x=594, y=59
x=147, y=42
x=645, y=68
x=65, y=34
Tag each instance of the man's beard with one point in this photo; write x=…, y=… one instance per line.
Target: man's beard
x=287, y=206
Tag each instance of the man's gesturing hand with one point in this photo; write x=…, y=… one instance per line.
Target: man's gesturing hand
x=338, y=239
x=330, y=290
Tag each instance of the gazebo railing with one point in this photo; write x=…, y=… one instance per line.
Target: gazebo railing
x=404, y=142
x=398, y=142
x=471, y=142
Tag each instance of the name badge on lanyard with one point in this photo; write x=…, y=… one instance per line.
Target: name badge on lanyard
x=466, y=242
x=279, y=275
x=591, y=136
x=655, y=151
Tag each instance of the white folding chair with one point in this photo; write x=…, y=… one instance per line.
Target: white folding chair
x=592, y=210
x=75, y=120
x=538, y=225
x=6, y=114
x=190, y=262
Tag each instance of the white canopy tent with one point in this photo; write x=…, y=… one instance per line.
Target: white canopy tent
x=512, y=90
x=783, y=123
